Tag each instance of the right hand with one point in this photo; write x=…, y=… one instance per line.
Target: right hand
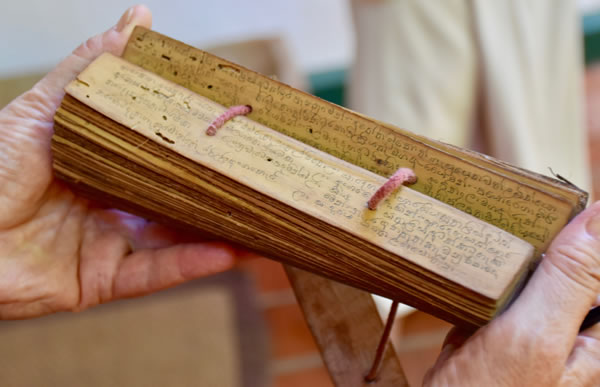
x=536, y=342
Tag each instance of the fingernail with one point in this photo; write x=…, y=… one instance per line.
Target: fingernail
x=124, y=20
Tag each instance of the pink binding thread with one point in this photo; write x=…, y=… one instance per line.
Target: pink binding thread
x=233, y=111
x=402, y=175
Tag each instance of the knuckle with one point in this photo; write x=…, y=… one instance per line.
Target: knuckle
x=579, y=262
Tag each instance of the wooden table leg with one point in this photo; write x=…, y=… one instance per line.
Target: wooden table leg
x=346, y=326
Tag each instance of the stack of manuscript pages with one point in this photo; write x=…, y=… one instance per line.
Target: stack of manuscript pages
x=292, y=179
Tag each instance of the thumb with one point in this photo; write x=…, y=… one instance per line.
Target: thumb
x=113, y=40
x=565, y=285
x=26, y=123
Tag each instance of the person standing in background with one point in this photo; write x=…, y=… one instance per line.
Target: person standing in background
x=501, y=77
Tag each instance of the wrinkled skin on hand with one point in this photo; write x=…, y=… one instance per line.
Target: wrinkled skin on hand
x=536, y=341
x=59, y=252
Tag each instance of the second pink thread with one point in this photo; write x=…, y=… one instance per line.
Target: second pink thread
x=401, y=176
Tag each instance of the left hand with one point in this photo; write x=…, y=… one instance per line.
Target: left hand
x=57, y=251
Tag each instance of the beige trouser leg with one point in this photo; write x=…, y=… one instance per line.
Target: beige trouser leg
x=509, y=68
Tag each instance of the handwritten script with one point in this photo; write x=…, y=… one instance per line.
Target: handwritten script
x=522, y=210
x=409, y=224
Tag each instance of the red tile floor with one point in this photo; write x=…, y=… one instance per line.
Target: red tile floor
x=295, y=360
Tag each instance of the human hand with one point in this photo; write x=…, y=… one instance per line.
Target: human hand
x=536, y=341
x=59, y=252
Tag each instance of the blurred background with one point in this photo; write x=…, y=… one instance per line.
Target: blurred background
x=318, y=35
x=242, y=328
